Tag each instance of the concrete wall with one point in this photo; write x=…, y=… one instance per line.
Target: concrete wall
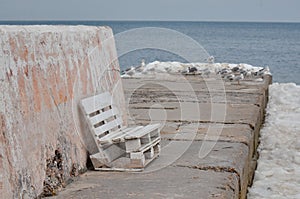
x=44, y=72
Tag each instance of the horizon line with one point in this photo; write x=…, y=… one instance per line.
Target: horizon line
x=141, y=20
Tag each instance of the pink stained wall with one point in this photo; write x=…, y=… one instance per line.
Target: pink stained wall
x=44, y=72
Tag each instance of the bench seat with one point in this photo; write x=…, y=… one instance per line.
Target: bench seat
x=120, y=147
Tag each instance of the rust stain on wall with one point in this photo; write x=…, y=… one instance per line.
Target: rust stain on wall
x=71, y=76
x=22, y=93
x=22, y=49
x=9, y=74
x=84, y=76
x=44, y=90
x=53, y=81
x=26, y=70
x=2, y=128
x=12, y=44
x=36, y=91
x=90, y=88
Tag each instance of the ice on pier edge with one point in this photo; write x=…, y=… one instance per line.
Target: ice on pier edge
x=278, y=170
x=205, y=69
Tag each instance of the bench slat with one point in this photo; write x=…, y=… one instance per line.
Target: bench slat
x=118, y=139
x=103, y=116
x=97, y=102
x=108, y=126
x=142, y=132
x=149, y=145
x=109, y=137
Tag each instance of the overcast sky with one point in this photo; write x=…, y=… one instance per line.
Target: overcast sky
x=190, y=10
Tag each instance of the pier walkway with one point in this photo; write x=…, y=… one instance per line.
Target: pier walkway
x=209, y=139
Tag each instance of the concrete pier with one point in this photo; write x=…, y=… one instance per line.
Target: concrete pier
x=209, y=140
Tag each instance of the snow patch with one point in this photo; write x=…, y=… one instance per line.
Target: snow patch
x=278, y=173
x=226, y=70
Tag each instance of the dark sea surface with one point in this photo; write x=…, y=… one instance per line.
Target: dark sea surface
x=276, y=45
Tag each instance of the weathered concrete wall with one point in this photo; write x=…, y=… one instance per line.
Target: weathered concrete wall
x=44, y=72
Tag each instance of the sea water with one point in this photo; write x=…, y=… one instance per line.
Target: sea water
x=276, y=45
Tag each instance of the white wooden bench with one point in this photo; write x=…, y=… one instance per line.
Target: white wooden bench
x=120, y=147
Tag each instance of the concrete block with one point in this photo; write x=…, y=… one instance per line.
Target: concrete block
x=137, y=160
x=133, y=145
x=170, y=182
x=224, y=157
x=236, y=133
x=98, y=160
x=157, y=149
x=191, y=112
x=149, y=153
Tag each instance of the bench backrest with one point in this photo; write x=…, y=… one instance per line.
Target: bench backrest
x=101, y=114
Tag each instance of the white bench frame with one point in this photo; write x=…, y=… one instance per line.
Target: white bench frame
x=120, y=147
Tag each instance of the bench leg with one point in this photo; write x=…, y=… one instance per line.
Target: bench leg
x=149, y=154
x=108, y=155
x=133, y=145
x=137, y=160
